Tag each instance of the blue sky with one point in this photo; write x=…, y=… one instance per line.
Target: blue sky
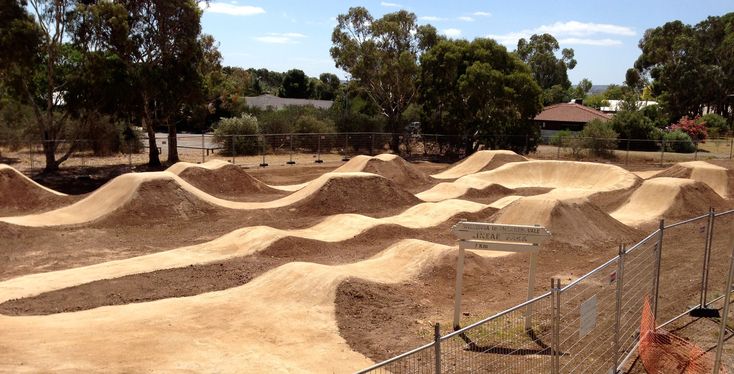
x=282, y=35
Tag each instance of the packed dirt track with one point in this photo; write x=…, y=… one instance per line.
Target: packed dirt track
x=329, y=275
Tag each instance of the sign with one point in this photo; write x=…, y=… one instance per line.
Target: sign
x=489, y=232
x=494, y=237
x=587, y=322
x=502, y=247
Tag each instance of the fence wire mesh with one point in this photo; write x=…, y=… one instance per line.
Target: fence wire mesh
x=503, y=344
x=596, y=325
x=587, y=321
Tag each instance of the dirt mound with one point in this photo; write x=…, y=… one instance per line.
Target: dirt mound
x=158, y=200
x=480, y=161
x=718, y=178
x=571, y=220
x=19, y=194
x=592, y=179
x=222, y=179
x=669, y=198
x=389, y=166
x=365, y=194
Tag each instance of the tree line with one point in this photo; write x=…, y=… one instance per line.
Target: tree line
x=77, y=69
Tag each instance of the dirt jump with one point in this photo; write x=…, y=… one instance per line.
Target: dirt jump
x=480, y=161
x=329, y=193
x=286, y=317
x=669, y=198
x=221, y=179
x=20, y=194
x=718, y=178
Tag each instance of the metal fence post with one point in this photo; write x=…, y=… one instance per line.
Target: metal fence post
x=130, y=154
x=203, y=158
x=618, y=307
x=290, y=161
x=372, y=144
x=234, y=152
x=658, y=266
x=555, y=326
x=731, y=148
x=725, y=314
x=662, y=152
x=627, y=157
x=318, y=149
x=707, y=257
x=560, y=144
x=346, y=144
x=30, y=154
x=437, y=346
x=262, y=149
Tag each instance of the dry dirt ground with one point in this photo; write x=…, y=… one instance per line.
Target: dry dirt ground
x=326, y=282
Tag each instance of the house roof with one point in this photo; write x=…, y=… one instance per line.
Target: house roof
x=570, y=112
x=265, y=101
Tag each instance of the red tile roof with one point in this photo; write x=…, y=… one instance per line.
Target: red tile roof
x=570, y=112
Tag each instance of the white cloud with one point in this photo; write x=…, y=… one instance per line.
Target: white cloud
x=452, y=33
x=596, y=42
x=466, y=19
x=280, y=38
x=575, y=28
x=432, y=18
x=482, y=14
x=231, y=9
x=570, y=33
x=390, y=5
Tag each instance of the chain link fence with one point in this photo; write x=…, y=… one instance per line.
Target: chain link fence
x=306, y=149
x=592, y=324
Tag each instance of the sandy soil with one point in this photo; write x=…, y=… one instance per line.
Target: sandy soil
x=327, y=277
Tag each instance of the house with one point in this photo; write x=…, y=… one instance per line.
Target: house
x=566, y=116
x=615, y=105
x=265, y=102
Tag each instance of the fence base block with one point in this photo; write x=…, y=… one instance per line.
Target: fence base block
x=704, y=313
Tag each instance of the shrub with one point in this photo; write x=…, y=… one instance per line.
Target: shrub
x=559, y=139
x=225, y=130
x=599, y=137
x=310, y=124
x=678, y=141
x=694, y=127
x=636, y=126
x=716, y=125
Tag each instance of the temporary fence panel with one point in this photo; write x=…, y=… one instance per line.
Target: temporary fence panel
x=502, y=344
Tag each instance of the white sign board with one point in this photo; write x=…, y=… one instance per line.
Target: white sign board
x=503, y=233
x=587, y=322
x=495, y=237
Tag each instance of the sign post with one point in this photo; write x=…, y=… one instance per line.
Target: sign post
x=496, y=237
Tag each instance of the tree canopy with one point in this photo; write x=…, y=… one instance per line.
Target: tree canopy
x=549, y=71
x=382, y=56
x=477, y=89
x=691, y=67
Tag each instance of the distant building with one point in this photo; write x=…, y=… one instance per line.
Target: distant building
x=566, y=116
x=273, y=102
x=615, y=105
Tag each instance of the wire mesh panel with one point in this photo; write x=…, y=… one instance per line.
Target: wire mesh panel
x=587, y=321
x=638, y=285
x=420, y=361
x=721, y=245
x=681, y=267
x=502, y=344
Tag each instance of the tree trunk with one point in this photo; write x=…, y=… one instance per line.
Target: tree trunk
x=153, y=158
x=49, y=151
x=172, y=144
x=393, y=124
